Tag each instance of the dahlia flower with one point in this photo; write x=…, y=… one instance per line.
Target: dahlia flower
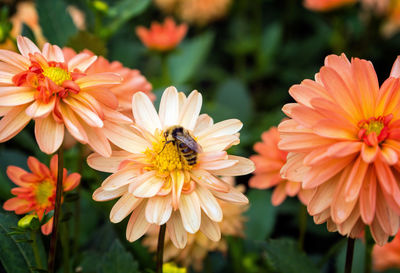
x=387, y=256
x=162, y=37
x=36, y=193
x=343, y=143
x=132, y=80
x=325, y=5
x=268, y=163
x=41, y=85
x=157, y=185
x=198, y=245
x=198, y=12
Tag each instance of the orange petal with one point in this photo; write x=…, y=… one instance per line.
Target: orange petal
x=49, y=134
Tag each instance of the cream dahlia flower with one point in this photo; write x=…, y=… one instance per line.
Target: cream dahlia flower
x=157, y=185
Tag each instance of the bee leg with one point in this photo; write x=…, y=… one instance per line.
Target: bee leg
x=166, y=142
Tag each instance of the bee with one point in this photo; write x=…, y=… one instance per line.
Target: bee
x=187, y=147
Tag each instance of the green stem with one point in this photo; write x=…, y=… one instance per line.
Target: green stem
x=160, y=248
x=77, y=209
x=369, y=245
x=302, y=225
x=57, y=207
x=36, y=250
x=349, y=255
x=64, y=236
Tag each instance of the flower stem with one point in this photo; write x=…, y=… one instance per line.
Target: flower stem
x=160, y=248
x=369, y=244
x=36, y=250
x=302, y=225
x=349, y=255
x=57, y=207
x=77, y=210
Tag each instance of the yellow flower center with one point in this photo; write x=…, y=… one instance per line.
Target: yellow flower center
x=44, y=191
x=166, y=158
x=56, y=74
x=374, y=126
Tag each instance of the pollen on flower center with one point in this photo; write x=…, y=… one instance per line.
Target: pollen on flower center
x=44, y=191
x=57, y=74
x=166, y=159
x=374, y=130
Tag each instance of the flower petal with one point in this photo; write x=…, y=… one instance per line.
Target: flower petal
x=26, y=46
x=16, y=60
x=223, y=128
x=233, y=196
x=13, y=122
x=169, y=107
x=144, y=113
x=190, y=111
x=39, y=109
x=158, y=210
x=99, y=79
x=149, y=188
x=125, y=205
x=53, y=53
x=16, y=95
x=209, y=204
x=49, y=134
x=137, y=225
x=107, y=164
x=119, y=179
x=210, y=228
x=242, y=167
x=189, y=207
x=81, y=62
x=176, y=231
x=102, y=195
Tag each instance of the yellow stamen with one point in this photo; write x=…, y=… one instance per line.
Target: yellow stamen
x=374, y=126
x=56, y=74
x=44, y=190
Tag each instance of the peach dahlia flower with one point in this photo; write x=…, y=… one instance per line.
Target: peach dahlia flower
x=198, y=245
x=162, y=37
x=41, y=85
x=387, y=256
x=36, y=193
x=269, y=162
x=132, y=80
x=157, y=185
x=325, y=5
x=343, y=140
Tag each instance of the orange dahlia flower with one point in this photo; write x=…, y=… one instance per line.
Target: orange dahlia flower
x=344, y=143
x=176, y=181
x=325, y=5
x=387, y=256
x=198, y=245
x=269, y=162
x=36, y=193
x=41, y=85
x=162, y=37
x=132, y=80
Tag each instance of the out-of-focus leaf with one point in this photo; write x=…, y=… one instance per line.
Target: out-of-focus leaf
x=270, y=42
x=85, y=40
x=358, y=258
x=56, y=23
x=125, y=10
x=16, y=254
x=285, y=257
x=117, y=260
x=185, y=61
x=27, y=32
x=261, y=215
x=233, y=101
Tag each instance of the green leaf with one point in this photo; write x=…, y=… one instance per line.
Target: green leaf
x=358, y=258
x=285, y=257
x=125, y=10
x=261, y=215
x=270, y=43
x=56, y=23
x=186, y=60
x=233, y=101
x=27, y=32
x=118, y=260
x=16, y=254
x=85, y=40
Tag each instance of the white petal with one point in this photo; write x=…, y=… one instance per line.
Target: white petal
x=53, y=53
x=190, y=111
x=101, y=195
x=119, y=179
x=243, y=167
x=223, y=128
x=144, y=113
x=176, y=231
x=26, y=46
x=39, y=109
x=158, y=209
x=137, y=225
x=107, y=164
x=169, y=107
x=218, y=143
x=210, y=228
x=209, y=204
x=233, y=196
x=203, y=122
x=189, y=207
x=125, y=205
x=149, y=188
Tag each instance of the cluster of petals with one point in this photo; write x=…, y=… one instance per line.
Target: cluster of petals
x=155, y=186
x=198, y=245
x=36, y=191
x=387, y=256
x=198, y=12
x=326, y=5
x=132, y=80
x=162, y=37
x=55, y=93
x=269, y=162
x=343, y=143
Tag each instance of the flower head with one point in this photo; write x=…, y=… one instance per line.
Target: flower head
x=269, y=162
x=198, y=244
x=343, y=143
x=325, y=5
x=36, y=193
x=132, y=80
x=387, y=256
x=173, y=181
x=162, y=37
x=56, y=93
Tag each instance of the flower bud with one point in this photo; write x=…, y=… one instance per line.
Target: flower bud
x=30, y=221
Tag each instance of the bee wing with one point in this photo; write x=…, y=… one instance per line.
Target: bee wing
x=190, y=142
